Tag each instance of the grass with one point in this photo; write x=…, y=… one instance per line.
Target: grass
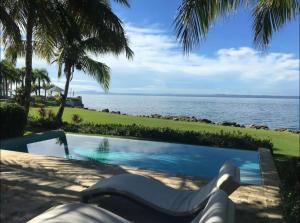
x=285, y=143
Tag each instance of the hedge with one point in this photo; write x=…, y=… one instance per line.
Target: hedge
x=228, y=140
x=12, y=120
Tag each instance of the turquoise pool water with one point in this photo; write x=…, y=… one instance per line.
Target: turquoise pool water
x=171, y=158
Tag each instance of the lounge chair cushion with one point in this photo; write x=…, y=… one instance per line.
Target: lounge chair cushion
x=219, y=209
x=77, y=213
x=228, y=178
x=157, y=195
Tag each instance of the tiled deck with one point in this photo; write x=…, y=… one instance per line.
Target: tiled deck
x=31, y=184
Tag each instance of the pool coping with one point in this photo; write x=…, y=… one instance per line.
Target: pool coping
x=270, y=184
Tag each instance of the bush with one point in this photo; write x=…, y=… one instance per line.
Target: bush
x=13, y=120
x=229, y=140
x=51, y=115
x=288, y=170
x=19, y=97
x=42, y=113
x=76, y=119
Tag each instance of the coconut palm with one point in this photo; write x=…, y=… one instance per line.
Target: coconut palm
x=77, y=56
x=8, y=76
x=47, y=87
x=55, y=19
x=195, y=17
x=36, y=18
x=93, y=33
x=40, y=76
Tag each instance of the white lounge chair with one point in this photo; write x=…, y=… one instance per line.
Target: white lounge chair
x=160, y=197
x=219, y=209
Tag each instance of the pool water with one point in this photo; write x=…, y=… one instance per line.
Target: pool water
x=171, y=158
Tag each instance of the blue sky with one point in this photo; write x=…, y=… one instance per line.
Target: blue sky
x=226, y=62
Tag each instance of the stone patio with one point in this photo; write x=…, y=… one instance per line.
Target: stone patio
x=30, y=184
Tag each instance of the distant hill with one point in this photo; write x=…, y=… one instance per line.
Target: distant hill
x=195, y=95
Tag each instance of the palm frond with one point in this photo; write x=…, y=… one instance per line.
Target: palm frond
x=9, y=26
x=123, y=2
x=97, y=70
x=194, y=18
x=15, y=50
x=85, y=11
x=270, y=16
x=106, y=43
x=44, y=45
x=8, y=71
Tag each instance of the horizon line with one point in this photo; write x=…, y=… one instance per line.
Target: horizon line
x=193, y=95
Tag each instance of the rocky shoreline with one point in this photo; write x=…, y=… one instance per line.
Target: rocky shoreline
x=194, y=119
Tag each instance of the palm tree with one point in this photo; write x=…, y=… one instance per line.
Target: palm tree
x=47, y=87
x=76, y=56
x=41, y=77
x=53, y=19
x=36, y=18
x=7, y=77
x=195, y=17
x=92, y=33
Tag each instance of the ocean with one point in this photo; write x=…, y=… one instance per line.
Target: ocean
x=273, y=112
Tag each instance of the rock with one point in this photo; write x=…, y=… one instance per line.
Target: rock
x=105, y=110
x=231, y=124
x=205, y=120
x=115, y=112
x=155, y=116
x=259, y=127
x=281, y=129
x=294, y=131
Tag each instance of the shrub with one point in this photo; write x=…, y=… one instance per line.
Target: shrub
x=288, y=170
x=12, y=119
x=76, y=119
x=51, y=115
x=42, y=124
x=58, y=98
x=229, y=140
x=19, y=97
x=42, y=113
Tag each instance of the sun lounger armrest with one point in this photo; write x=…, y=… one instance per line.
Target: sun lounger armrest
x=229, y=178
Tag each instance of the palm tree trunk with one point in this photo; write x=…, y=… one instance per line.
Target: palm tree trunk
x=28, y=61
x=1, y=86
x=11, y=88
x=6, y=87
x=65, y=95
x=39, y=80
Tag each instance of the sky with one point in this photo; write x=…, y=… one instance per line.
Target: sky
x=225, y=63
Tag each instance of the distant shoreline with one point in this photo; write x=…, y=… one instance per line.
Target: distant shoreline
x=193, y=95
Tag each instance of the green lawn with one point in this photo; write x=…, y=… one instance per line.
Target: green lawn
x=285, y=143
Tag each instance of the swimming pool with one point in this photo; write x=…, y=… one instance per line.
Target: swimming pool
x=171, y=158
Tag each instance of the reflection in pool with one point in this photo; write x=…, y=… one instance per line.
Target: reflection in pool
x=171, y=158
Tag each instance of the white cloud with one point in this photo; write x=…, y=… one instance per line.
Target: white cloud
x=157, y=51
x=159, y=65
